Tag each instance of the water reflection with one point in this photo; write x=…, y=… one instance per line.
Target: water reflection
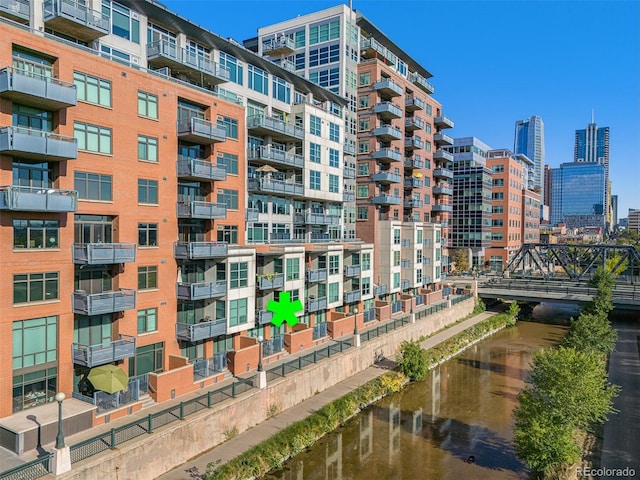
x=455, y=425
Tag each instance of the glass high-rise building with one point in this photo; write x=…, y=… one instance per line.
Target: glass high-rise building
x=578, y=195
x=529, y=140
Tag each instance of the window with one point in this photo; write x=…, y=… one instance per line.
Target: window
x=419, y=275
x=230, y=126
x=92, y=138
x=365, y=79
x=229, y=161
x=363, y=146
x=363, y=102
x=396, y=237
x=314, y=180
x=239, y=274
x=148, y=234
x=427, y=127
x=363, y=213
x=122, y=22
x=147, y=359
x=92, y=186
x=366, y=286
x=334, y=132
x=92, y=89
x=147, y=148
x=334, y=158
x=363, y=124
x=334, y=264
x=315, y=125
x=147, y=277
x=314, y=152
x=499, y=209
x=299, y=36
x=324, y=32
x=147, y=105
x=35, y=287
x=281, y=90
x=497, y=195
x=396, y=258
x=363, y=191
x=324, y=55
x=293, y=269
x=238, y=312
x=147, y=320
x=363, y=169
x=35, y=233
x=429, y=109
x=334, y=292
x=227, y=234
x=300, y=62
x=497, y=222
x=366, y=262
x=396, y=280
x=498, y=168
x=258, y=80
x=334, y=183
x=229, y=198
x=326, y=78
x=35, y=342
x=147, y=191
x=498, y=182
x=234, y=66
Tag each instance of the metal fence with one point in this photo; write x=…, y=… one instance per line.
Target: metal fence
x=384, y=328
x=430, y=310
x=29, y=471
x=299, y=363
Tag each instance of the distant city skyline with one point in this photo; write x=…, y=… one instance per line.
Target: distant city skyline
x=529, y=140
x=481, y=76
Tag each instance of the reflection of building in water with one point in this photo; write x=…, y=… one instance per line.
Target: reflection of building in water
x=412, y=423
x=334, y=457
x=366, y=435
x=296, y=472
x=432, y=406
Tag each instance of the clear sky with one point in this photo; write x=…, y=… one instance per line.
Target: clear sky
x=495, y=62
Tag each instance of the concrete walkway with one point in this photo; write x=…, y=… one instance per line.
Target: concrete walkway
x=246, y=440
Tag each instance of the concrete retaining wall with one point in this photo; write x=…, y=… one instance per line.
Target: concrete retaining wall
x=150, y=456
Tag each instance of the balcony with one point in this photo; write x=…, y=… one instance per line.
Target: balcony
x=349, y=149
x=278, y=46
x=352, y=271
x=413, y=204
x=18, y=10
x=320, y=330
x=275, y=156
x=202, y=210
x=386, y=155
x=412, y=143
x=386, y=177
x=29, y=199
x=107, y=352
x=41, y=91
x=103, y=253
x=201, y=331
x=321, y=219
x=442, y=121
x=370, y=48
x=348, y=173
x=442, y=139
x=352, y=297
x=252, y=215
x=405, y=263
x=200, y=131
x=412, y=163
x=73, y=18
x=442, y=155
x=404, y=284
x=411, y=104
x=315, y=276
x=264, y=184
x=270, y=281
x=199, y=250
x=380, y=290
x=413, y=123
x=387, y=133
x=442, y=173
x=37, y=144
x=441, y=190
x=264, y=317
x=201, y=291
x=274, y=126
x=420, y=82
x=386, y=200
x=441, y=207
x=387, y=110
x=348, y=197
x=426, y=260
x=102, y=303
x=197, y=68
x=413, y=183
x=199, y=169
x=316, y=304
x=388, y=88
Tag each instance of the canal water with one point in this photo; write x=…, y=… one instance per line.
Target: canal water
x=455, y=425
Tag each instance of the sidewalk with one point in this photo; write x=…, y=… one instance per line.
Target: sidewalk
x=246, y=440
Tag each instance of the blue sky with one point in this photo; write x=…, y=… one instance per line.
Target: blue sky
x=495, y=62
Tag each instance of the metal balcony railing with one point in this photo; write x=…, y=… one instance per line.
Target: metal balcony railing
x=103, y=253
x=107, y=352
x=30, y=199
x=201, y=331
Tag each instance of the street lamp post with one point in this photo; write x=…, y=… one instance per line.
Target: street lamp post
x=261, y=377
x=260, y=340
x=61, y=460
x=356, y=334
x=59, y=397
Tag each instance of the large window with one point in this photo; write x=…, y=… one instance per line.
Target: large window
x=363, y=213
x=147, y=148
x=363, y=191
x=366, y=262
x=238, y=274
x=315, y=125
x=334, y=158
x=92, y=89
x=35, y=233
x=324, y=55
x=148, y=234
x=229, y=198
x=35, y=342
x=314, y=152
x=147, y=320
x=334, y=132
x=334, y=292
x=293, y=268
x=238, y=312
x=147, y=359
x=314, y=180
x=147, y=191
x=326, y=78
x=281, y=90
x=123, y=23
x=334, y=183
x=34, y=388
x=334, y=264
x=147, y=277
x=324, y=32
x=228, y=234
x=35, y=287
x=234, y=66
x=230, y=126
x=147, y=105
x=229, y=161
x=92, y=138
x=258, y=80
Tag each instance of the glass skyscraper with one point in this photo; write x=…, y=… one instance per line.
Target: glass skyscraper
x=578, y=195
x=529, y=140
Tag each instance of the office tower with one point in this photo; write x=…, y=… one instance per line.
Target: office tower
x=548, y=175
x=394, y=125
x=578, y=195
x=472, y=182
x=592, y=146
x=633, y=220
x=529, y=140
x=614, y=210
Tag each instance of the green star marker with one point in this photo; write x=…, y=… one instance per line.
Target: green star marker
x=284, y=310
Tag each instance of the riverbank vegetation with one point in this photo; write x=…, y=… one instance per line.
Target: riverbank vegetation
x=568, y=393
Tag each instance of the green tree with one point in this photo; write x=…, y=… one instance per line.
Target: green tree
x=592, y=334
x=460, y=260
x=412, y=361
x=602, y=303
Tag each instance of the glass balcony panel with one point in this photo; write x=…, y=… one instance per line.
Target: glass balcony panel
x=73, y=18
x=443, y=173
x=320, y=331
x=278, y=46
x=442, y=139
x=387, y=110
x=319, y=275
x=442, y=155
x=269, y=281
x=352, y=297
x=29, y=199
x=442, y=121
x=386, y=177
x=419, y=81
x=265, y=184
x=102, y=303
x=200, y=169
x=348, y=197
x=18, y=10
x=352, y=271
x=316, y=304
x=200, y=131
x=199, y=250
x=32, y=89
x=201, y=291
x=203, y=210
x=37, y=144
x=388, y=87
x=103, y=253
x=387, y=200
x=387, y=133
x=380, y=290
x=276, y=156
x=109, y=352
x=387, y=155
x=274, y=126
x=201, y=331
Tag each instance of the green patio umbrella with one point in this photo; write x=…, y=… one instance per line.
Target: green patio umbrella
x=108, y=378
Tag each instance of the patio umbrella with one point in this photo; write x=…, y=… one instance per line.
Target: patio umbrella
x=266, y=168
x=108, y=378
